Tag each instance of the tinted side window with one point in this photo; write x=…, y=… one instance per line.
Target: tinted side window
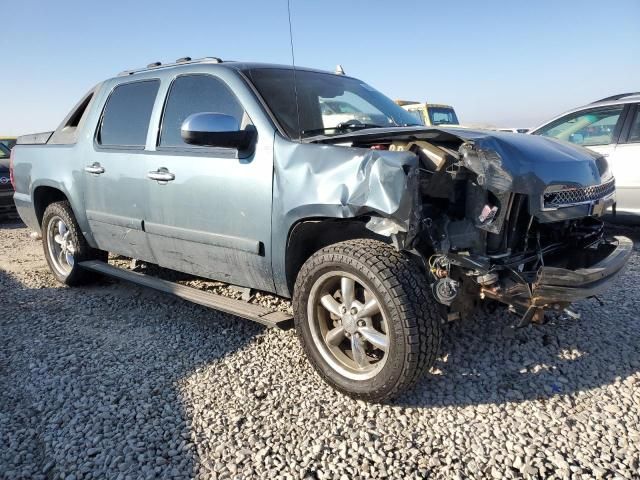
x=191, y=94
x=125, y=120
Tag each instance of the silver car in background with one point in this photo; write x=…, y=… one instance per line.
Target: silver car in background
x=610, y=126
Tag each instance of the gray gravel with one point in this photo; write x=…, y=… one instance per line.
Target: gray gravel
x=113, y=381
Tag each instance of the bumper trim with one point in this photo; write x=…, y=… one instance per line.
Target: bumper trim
x=559, y=285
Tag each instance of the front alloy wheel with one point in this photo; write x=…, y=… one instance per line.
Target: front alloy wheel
x=366, y=318
x=348, y=326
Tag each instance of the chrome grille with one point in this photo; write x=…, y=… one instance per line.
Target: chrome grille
x=573, y=196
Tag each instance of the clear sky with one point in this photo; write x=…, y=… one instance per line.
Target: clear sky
x=502, y=62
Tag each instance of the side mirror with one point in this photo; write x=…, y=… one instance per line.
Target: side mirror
x=215, y=130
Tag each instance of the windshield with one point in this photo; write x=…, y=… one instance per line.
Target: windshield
x=593, y=127
x=442, y=116
x=327, y=104
x=419, y=116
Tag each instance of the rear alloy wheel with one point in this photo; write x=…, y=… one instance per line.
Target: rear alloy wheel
x=60, y=246
x=65, y=246
x=366, y=318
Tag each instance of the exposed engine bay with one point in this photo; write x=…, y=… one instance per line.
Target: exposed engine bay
x=489, y=227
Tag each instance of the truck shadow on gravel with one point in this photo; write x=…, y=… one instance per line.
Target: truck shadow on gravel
x=93, y=379
x=482, y=363
x=90, y=379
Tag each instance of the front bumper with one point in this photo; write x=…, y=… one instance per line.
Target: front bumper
x=571, y=276
x=556, y=285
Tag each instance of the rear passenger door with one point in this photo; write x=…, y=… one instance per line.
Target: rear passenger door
x=114, y=171
x=213, y=217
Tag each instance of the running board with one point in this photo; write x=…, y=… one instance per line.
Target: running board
x=218, y=302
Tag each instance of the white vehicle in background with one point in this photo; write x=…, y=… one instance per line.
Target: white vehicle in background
x=610, y=126
x=335, y=112
x=513, y=130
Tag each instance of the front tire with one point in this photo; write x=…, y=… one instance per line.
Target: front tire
x=366, y=318
x=65, y=245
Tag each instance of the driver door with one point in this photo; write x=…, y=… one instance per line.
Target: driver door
x=210, y=212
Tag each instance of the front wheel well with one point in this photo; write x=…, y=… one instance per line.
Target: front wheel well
x=308, y=236
x=45, y=196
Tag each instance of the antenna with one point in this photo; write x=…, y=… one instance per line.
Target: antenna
x=293, y=64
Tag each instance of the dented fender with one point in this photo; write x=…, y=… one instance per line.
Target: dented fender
x=331, y=181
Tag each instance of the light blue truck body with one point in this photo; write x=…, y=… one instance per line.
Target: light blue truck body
x=231, y=215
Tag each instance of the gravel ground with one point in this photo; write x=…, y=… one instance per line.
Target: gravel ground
x=113, y=381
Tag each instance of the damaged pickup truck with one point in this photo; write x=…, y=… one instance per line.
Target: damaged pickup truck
x=377, y=228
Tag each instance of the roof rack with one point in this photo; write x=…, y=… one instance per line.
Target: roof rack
x=620, y=96
x=180, y=61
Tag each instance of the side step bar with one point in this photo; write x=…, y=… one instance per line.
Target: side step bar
x=218, y=302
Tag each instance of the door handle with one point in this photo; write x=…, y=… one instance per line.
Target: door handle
x=161, y=175
x=95, y=168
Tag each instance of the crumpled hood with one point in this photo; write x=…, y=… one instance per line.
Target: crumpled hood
x=326, y=177
x=535, y=162
x=528, y=162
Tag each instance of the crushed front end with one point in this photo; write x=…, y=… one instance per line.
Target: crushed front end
x=511, y=218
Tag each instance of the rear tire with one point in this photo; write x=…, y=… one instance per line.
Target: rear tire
x=65, y=246
x=365, y=316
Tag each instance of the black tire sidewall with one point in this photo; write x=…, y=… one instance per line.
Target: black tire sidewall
x=392, y=372
x=63, y=210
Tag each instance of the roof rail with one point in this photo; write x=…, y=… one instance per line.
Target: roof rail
x=180, y=61
x=620, y=96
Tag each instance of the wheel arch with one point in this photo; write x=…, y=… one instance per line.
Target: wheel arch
x=45, y=195
x=309, y=235
x=47, y=192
